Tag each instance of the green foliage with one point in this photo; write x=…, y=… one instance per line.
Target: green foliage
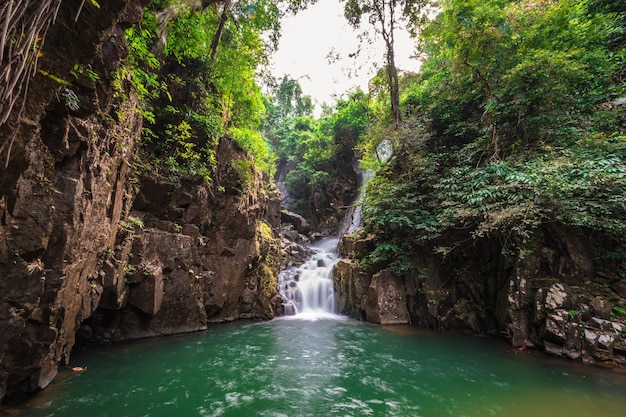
x=514, y=122
x=245, y=170
x=255, y=144
x=395, y=206
x=582, y=186
x=224, y=87
x=182, y=156
x=189, y=35
x=79, y=70
x=314, y=149
x=393, y=254
x=525, y=72
x=287, y=101
x=195, y=74
x=618, y=312
x=142, y=65
x=350, y=116
x=56, y=79
x=407, y=13
x=386, y=17
x=178, y=144
x=131, y=222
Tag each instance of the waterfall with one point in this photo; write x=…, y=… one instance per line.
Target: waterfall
x=308, y=290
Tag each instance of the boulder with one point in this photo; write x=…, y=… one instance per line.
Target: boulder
x=298, y=222
x=147, y=295
x=386, y=299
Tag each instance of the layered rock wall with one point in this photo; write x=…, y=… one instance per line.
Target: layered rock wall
x=190, y=254
x=91, y=252
x=64, y=187
x=547, y=294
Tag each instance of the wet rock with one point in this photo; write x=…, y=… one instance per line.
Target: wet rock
x=553, y=348
x=62, y=196
x=147, y=295
x=555, y=327
x=73, y=252
x=386, y=300
x=606, y=342
x=573, y=346
x=600, y=324
x=620, y=288
x=461, y=316
x=357, y=245
x=519, y=301
x=544, y=295
x=294, y=253
x=294, y=236
x=619, y=351
x=590, y=341
x=114, y=49
x=299, y=222
x=600, y=307
x=351, y=283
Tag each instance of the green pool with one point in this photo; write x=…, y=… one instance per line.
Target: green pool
x=326, y=367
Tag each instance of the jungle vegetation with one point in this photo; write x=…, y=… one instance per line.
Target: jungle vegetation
x=195, y=67
x=516, y=120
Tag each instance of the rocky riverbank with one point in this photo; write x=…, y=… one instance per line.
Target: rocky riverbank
x=547, y=296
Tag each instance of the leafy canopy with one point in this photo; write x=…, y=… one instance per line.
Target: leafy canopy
x=195, y=70
x=516, y=121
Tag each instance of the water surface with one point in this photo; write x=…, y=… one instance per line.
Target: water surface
x=327, y=367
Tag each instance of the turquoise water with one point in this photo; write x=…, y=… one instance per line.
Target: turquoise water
x=327, y=367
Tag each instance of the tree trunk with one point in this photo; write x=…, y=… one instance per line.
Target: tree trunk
x=388, y=23
x=220, y=29
x=394, y=88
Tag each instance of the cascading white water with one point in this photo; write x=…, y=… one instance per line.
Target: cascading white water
x=308, y=289
x=316, y=279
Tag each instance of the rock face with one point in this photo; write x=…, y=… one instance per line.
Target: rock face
x=90, y=252
x=63, y=191
x=547, y=295
x=189, y=255
x=298, y=222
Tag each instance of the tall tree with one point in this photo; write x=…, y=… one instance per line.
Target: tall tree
x=290, y=100
x=286, y=108
x=223, y=16
x=386, y=17
x=263, y=14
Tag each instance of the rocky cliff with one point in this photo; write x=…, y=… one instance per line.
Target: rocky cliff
x=189, y=254
x=90, y=251
x=549, y=294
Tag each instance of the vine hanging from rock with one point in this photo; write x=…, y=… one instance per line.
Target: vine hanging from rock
x=23, y=28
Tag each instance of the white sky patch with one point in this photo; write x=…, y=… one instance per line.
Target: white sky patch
x=308, y=38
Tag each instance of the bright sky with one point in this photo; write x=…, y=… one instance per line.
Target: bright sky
x=309, y=37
